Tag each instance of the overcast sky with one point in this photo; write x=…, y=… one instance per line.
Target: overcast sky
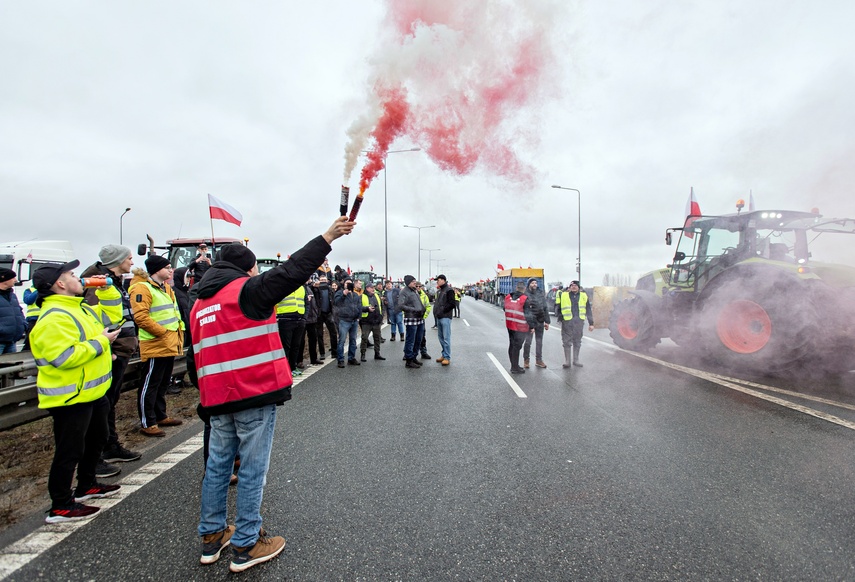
x=152, y=105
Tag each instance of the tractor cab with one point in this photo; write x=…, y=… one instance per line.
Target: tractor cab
x=711, y=244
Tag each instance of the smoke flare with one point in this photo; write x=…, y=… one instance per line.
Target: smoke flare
x=462, y=81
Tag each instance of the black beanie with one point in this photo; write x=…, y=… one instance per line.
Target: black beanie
x=238, y=255
x=154, y=263
x=408, y=279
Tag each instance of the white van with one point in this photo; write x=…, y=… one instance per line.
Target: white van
x=25, y=257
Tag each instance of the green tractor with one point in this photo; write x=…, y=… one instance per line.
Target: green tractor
x=760, y=292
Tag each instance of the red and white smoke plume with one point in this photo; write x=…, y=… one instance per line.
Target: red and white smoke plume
x=461, y=79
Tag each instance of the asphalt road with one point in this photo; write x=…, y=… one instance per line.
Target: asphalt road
x=626, y=469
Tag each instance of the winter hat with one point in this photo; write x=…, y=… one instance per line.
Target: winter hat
x=443, y=277
x=408, y=279
x=528, y=283
x=7, y=274
x=112, y=255
x=154, y=263
x=178, y=278
x=574, y=283
x=238, y=255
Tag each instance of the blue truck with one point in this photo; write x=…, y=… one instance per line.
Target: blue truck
x=506, y=281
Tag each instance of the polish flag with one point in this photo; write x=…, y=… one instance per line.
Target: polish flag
x=500, y=267
x=222, y=211
x=693, y=210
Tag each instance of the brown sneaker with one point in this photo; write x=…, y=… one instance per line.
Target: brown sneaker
x=540, y=364
x=169, y=421
x=213, y=544
x=525, y=364
x=439, y=360
x=152, y=431
x=266, y=548
x=445, y=362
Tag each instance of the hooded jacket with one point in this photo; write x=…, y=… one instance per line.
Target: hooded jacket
x=257, y=300
x=536, y=305
x=166, y=343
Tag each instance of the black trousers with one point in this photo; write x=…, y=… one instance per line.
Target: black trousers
x=291, y=333
x=515, y=344
x=79, y=433
x=332, y=327
x=120, y=364
x=314, y=342
x=151, y=396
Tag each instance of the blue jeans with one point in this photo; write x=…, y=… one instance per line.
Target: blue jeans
x=250, y=433
x=397, y=323
x=9, y=348
x=347, y=329
x=413, y=340
x=443, y=330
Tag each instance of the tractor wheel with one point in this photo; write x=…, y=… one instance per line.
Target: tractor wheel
x=758, y=326
x=632, y=325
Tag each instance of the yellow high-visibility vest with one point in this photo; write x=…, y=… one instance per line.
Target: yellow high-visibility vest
x=72, y=353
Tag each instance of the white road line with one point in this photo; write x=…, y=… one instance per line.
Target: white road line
x=716, y=379
x=467, y=323
x=23, y=551
x=20, y=553
x=507, y=377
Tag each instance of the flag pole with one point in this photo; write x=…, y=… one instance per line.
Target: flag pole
x=211, y=218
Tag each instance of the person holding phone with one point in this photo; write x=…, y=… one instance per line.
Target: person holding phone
x=114, y=261
x=348, y=306
x=201, y=263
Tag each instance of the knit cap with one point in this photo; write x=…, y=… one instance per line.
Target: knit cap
x=112, y=255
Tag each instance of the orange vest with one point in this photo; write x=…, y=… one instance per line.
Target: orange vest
x=236, y=357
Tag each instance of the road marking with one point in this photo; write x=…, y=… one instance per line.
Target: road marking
x=467, y=323
x=729, y=383
x=27, y=549
x=507, y=377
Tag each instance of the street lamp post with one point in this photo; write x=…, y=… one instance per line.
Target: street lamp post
x=120, y=223
x=579, y=255
x=429, y=252
x=420, y=246
x=385, y=205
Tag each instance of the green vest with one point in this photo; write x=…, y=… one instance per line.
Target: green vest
x=294, y=303
x=562, y=298
x=72, y=353
x=365, y=303
x=163, y=311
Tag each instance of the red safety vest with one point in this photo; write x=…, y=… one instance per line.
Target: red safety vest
x=236, y=357
x=514, y=314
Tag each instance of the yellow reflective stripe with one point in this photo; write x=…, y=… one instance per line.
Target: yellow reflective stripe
x=234, y=336
x=240, y=364
x=70, y=389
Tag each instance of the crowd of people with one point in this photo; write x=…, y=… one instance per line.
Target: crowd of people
x=245, y=335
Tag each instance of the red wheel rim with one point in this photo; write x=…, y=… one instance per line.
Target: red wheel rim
x=744, y=327
x=627, y=325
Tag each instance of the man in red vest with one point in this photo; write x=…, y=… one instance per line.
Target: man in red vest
x=518, y=327
x=243, y=376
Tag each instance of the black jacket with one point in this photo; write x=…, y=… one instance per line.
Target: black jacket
x=445, y=302
x=348, y=307
x=536, y=304
x=258, y=299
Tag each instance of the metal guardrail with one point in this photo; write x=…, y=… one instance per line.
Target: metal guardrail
x=19, y=401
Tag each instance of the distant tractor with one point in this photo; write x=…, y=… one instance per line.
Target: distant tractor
x=762, y=292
